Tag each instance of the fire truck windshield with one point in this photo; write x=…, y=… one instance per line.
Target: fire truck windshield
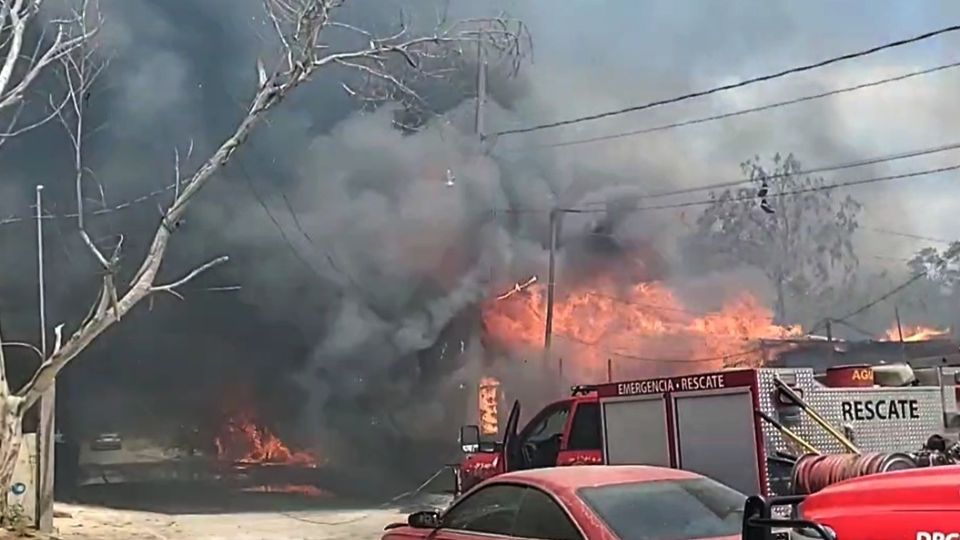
x=549, y=425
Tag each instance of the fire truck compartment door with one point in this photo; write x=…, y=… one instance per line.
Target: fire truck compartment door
x=716, y=437
x=635, y=431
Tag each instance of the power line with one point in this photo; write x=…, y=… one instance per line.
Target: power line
x=732, y=86
x=100, y=211
x=826, y=168
x=815, y=170
x=663, y=360
x=826, y=187
x=910, y=235
x=913, y=279
x=716, y=358
x=740, y=112
x=276, y=223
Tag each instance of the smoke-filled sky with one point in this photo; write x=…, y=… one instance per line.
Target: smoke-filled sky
x=384, y=253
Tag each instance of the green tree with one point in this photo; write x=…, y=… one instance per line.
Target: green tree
x=788, y=224
x=939, y=267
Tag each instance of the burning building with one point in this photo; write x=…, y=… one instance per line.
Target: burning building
x=643, y=329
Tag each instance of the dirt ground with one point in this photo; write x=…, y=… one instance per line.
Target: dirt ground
x=186, y=511
x=97, y=523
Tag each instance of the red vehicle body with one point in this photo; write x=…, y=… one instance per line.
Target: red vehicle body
x=628, y=502
x=565, y=432
x=738, y=426
x=916, y=504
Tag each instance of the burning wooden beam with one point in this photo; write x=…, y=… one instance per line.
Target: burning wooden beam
x=518, y=287
x=489, y=397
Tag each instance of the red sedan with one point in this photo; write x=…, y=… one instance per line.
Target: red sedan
x=585, y=503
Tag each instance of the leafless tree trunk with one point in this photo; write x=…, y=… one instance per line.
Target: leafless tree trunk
x=11, y=429
x=21, y=67
x=301, y=27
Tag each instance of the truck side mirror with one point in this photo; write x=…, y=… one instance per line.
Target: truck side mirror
x=469, y=439
x=755, y=509
x=759, y=522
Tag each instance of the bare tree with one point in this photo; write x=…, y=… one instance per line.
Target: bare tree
x=301, y=30
x=22, y=67
x=788, y=224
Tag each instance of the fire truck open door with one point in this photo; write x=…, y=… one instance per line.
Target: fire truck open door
x=512, y=457
x=705, y=424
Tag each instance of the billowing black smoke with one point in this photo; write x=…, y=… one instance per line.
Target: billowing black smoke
x=363, y=250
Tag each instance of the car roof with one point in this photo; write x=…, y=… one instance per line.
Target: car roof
x=575, y=477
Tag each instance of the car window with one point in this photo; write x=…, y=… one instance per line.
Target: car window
x=541, y=517
x=549, y=425
x=667, y=509
x=490, y=510
x=585, y=431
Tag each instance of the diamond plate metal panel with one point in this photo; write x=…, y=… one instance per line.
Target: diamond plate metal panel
x=870, y=435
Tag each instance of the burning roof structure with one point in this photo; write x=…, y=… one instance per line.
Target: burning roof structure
x=643, y=328
x=646, y=329
x=920, y=347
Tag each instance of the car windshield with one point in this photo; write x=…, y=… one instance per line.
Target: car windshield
x=667, y=509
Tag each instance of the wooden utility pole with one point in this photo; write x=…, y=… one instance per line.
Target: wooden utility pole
x=481, y=88
x=830, y=341
x=46, y=428
x=551, y=282
x=903, y=347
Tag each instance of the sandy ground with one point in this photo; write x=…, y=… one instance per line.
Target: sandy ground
x=97, y=523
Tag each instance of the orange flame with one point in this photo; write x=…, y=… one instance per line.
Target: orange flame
x=243, y=441
x=489, y=396
x=914, y=333
x=641, y=327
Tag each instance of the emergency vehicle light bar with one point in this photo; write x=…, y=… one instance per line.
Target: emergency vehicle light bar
x=582, y=389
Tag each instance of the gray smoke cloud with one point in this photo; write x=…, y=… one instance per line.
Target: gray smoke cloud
x=357, y=325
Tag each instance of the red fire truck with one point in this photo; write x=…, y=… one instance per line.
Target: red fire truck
x=921, y=504
x=746, y=428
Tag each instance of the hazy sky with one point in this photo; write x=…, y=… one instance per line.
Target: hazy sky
x=623, y=52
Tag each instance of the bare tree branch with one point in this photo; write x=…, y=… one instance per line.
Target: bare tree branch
x=21, y=13
x=171, y=287
x=24, y=345
x=299, y=25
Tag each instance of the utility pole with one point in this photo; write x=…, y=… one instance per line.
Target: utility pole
x=551, y=281
x=40, y=273
x=481, y=87
x=903, y=346
x=830, y=341
x=46, y=429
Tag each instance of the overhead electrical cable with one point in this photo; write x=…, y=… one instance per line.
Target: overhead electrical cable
x=731, y=114
x=910, y=235
x=825, y=187
x=707, y=187
x=731, y=86
x=815, y=170
x=951, y=253
x=629, y=356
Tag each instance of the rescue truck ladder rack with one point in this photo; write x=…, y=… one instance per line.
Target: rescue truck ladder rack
x=758, y=518
x=788, y=433
x=815, y=416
